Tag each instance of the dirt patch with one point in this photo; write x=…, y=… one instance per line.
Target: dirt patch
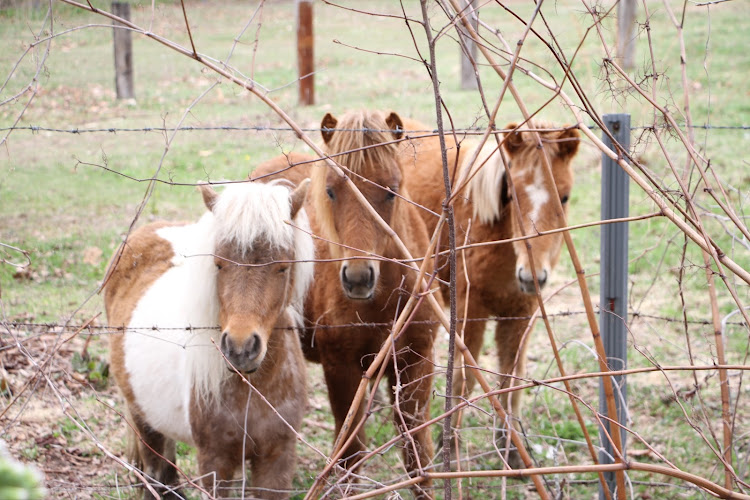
x=57, y=410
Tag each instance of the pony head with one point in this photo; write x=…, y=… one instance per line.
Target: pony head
x=536, y=193
x=361, y=141
x=254, y=253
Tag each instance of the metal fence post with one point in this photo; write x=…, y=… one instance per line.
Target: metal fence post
x=613, y=305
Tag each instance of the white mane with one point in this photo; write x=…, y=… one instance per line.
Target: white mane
x=484, y=188
x=250, y=211
x=243, y=214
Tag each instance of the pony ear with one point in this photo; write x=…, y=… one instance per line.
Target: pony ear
x=327, y=126
x=209, y=195
x=568, y=143
x=298, y=196
x=514, y=140
x=394, y=123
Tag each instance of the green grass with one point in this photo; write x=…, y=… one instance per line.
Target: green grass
x=68, y=199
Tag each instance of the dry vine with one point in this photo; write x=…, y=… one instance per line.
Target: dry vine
x=686, y=201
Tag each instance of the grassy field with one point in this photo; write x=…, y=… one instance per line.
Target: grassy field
x=67, y=199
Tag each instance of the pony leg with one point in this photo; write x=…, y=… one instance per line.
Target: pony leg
x=155, y=452
x=342, y=380
x=217, y=468
x=272, y=466
x=413, y=384
x=512, y=359
x=463, y=379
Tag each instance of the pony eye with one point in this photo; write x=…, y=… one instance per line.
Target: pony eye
x=564, y=199
x=330, y=193
x=390, y=196
x=282, y=270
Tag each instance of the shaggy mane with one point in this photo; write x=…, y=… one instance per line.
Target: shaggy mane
x=484, y=187
x=488, y=170
x=362, y=129
x=247, y=212
x=527, y=150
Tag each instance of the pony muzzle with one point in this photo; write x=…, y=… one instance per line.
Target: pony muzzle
x=358, y=278
x=526, y=279
x=244, y=352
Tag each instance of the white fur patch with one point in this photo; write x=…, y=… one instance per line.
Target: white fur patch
x=304, y=253
x=160, y=349
x=538, y=195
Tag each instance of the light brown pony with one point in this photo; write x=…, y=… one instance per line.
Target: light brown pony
x=358, y=287
x=500, y=282
x=197, y=301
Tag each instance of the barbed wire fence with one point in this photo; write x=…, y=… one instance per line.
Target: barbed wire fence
x=40, y=353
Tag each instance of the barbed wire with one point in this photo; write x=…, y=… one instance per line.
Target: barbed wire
x=16, y=325
x=264, y=128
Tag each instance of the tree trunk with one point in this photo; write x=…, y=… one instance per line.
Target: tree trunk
x=469, y=49
x=123, y=42
x=626, y=33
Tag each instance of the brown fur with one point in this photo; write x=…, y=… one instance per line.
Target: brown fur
x=219, y=425
x=139, y=261
x=270, y=443
x=345, y=350
x=493, y=287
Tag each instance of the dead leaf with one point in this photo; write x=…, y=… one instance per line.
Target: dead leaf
x=23, y=274
x=92, y=256
x=640, y=453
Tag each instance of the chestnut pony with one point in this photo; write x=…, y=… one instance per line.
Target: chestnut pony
x=353, y=286
x=500, y=282
x=194, y=302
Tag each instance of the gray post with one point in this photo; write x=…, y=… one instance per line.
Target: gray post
x=123, y=42
x=613, y=305
x=469, y=56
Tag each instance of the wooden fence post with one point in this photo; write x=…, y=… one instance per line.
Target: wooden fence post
x=613, y=295
x=469, y=49
x=626, y=33
x=123, y=42
x=305, y=52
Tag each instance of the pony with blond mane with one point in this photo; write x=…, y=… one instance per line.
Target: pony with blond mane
x=500, y=280
x=359, y=285
x=205, y=310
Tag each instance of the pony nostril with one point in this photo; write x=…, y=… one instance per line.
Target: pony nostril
x=253, y=346
x=371, y=279
x=542, y=277
x=345, y=279
x=521, y=274
x=224, y=344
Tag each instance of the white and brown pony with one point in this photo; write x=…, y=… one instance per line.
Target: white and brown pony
x=500, y=280
x=195, y=303
x=359, y=286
